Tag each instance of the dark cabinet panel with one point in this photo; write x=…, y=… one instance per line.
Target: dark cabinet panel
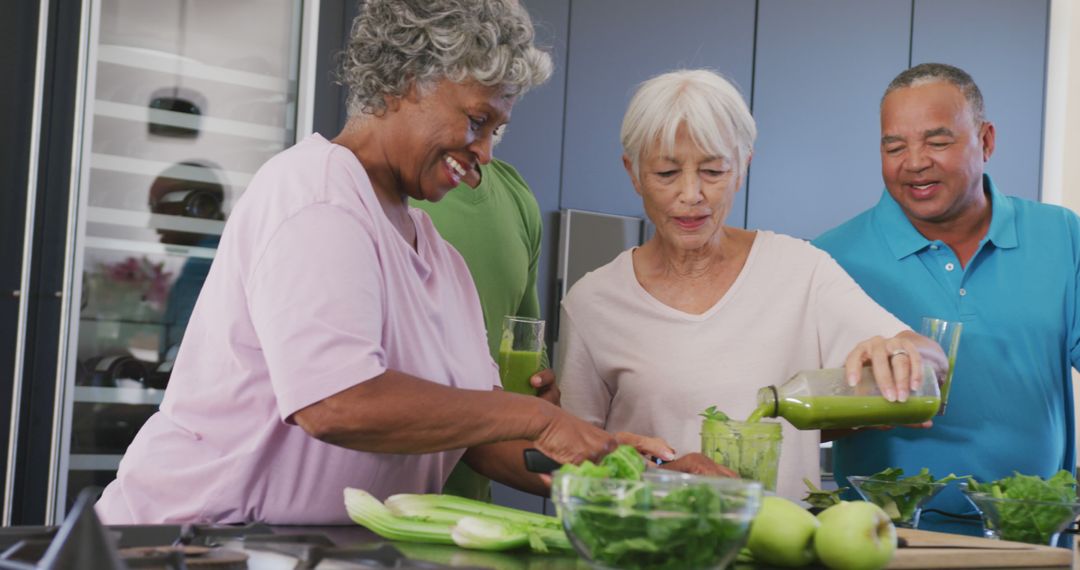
x=614, y=46
x=821, y=67
x=1002, y=44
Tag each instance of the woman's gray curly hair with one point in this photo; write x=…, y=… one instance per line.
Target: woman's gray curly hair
x=395, y=43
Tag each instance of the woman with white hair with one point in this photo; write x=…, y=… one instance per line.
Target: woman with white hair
x=338, y=341
x=705, y=313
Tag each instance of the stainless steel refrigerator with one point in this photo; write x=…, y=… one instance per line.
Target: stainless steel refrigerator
x=140, y=127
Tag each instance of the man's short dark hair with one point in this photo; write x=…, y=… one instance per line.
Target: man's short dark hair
x=930, y=72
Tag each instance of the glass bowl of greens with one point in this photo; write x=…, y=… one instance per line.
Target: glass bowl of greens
x=662, y=520
x=1025, y=508
x=901, y=498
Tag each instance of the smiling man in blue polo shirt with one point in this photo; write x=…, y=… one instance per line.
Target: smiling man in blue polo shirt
x=944, y=242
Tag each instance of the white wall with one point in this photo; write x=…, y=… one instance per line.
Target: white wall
x=1061, y=167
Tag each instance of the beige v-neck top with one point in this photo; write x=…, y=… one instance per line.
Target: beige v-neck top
x=628, y=362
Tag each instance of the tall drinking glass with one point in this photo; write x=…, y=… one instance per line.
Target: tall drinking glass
x=520, y=353
x=946, y=334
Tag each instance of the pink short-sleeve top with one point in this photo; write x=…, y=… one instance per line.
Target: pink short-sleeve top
x=312, y=291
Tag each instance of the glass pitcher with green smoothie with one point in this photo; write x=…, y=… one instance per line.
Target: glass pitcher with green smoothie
x=822, y=399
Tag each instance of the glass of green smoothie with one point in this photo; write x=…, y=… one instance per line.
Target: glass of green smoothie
x=947, y=334
x=751, y=449
x=520, y=353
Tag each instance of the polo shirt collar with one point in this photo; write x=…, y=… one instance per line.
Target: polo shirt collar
x=903, y=239
x=1002, y=232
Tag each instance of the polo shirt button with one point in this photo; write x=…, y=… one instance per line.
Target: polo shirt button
x=963, y=292
x=934, y=247
x=949, y=267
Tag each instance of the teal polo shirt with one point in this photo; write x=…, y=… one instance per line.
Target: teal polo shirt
x=1011, y=402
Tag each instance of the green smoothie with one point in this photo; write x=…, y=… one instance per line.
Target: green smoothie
x=751, y=449
x=836, y=412
x=515, y=369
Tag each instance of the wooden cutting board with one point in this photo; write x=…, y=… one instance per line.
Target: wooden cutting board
x=927, y=550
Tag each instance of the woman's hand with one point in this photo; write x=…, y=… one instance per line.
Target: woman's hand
x=650, y=447
x=569, y=439
x=546, y=388
x=698, y=464
x=897, y=363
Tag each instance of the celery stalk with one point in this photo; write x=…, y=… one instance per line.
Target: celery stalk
x=366, y=511
x=444, y=508
x=444, y=519
x=486, y=534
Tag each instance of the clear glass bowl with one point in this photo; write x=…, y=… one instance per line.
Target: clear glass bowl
x=895, y=498
x=666, y=520
x=1034, y=522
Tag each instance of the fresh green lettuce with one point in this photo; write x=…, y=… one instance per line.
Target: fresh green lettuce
x=1031, y=522
x=901, y=496
x=634, y=528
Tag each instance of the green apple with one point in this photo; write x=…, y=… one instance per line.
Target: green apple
x=855, y=535
x=782, y=534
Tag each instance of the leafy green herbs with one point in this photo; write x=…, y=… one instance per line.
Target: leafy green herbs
x=711, y=413
x=1026, y=508
x=897, y=495
x=626, y=522
x=820, y=498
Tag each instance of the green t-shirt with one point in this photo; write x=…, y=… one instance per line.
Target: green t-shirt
x=497, y=229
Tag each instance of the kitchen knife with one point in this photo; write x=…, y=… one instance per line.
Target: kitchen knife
x=537, y=462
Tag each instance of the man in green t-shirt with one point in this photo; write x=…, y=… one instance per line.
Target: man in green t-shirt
x=502, y=253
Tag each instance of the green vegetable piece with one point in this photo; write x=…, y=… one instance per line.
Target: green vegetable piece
x=623, y=463
x=1033, y=523
x=901, y=496
x=711, y=413
x=628, y=527
x=487, y=534
x=820, y=498
x=448, y=508
x=366, y=511
x=445, y=519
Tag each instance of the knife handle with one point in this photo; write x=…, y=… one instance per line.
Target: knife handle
x=537, y=462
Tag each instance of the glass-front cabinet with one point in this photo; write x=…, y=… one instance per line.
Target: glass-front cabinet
x=181, y=102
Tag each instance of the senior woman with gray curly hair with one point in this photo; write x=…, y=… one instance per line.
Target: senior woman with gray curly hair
x=338, y=340
x=704, y=313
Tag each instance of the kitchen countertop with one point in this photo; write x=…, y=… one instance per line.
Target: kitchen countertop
x=443, y=554
x=948, y=556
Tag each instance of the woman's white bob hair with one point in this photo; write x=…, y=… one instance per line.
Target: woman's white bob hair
x=710, y=106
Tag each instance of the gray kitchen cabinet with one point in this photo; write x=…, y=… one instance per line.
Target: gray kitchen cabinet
x=820, y=69
x=614, y=46
x=1002, y=44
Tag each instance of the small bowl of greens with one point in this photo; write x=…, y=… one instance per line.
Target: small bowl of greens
x=902, y=498
x=661, y=519
x=1025, y=508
